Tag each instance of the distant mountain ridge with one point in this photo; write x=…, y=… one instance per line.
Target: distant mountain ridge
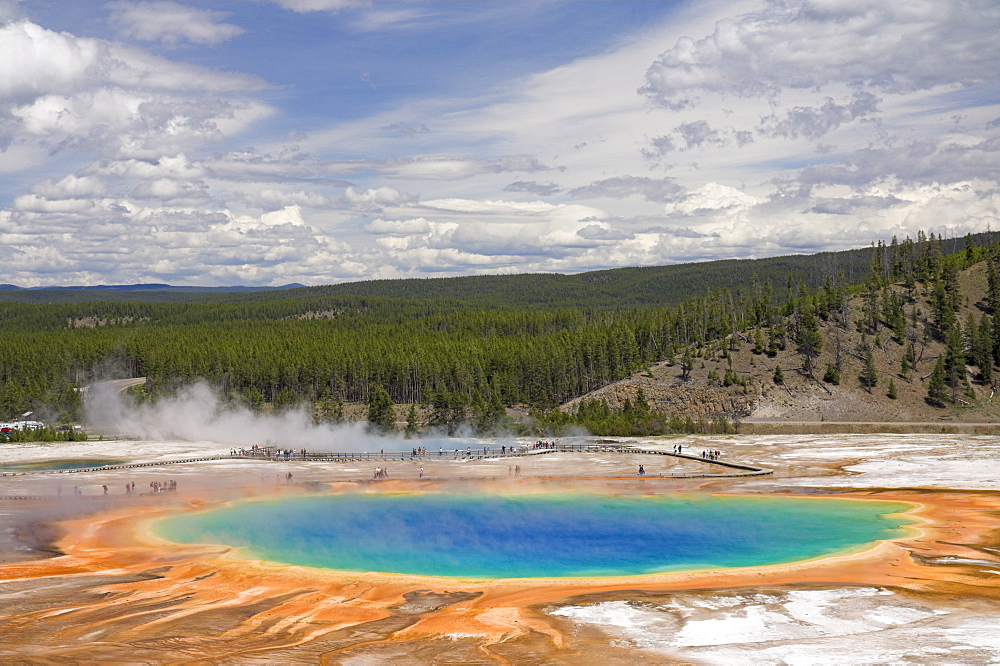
x=155, y=287
x=666, y=285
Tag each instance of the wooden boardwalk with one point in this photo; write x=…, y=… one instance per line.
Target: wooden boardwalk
x=732, y=469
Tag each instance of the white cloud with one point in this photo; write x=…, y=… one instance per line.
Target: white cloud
x=177, y=167
x=167, y=190
x=38, y=204
x=171, y=23
x=71, y=186
x=737, y=129
x=417, y=225
x=304, y=6
x=651, y=189
x=375, y=198
x=275, y=198
x=290, y=215
x=889, y=47
x=814, y=122
x=471, y=206
x=443, y=167
x=35, y=61
x=709, y=198
x=62, y=92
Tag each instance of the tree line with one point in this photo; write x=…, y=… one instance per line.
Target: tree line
x=465, y=360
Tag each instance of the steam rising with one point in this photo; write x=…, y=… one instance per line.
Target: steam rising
x=197, y=413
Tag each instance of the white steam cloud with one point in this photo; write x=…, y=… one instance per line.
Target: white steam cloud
x=197, y=413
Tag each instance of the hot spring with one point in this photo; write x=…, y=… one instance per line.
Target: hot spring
x=62, y=464
x=539, y=536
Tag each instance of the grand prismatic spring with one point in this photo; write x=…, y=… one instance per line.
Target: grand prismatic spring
x=857, y=549
x=539, y=535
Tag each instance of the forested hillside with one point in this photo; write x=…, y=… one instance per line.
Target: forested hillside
x=473, y=346
x=916, y=344
x=642, y=286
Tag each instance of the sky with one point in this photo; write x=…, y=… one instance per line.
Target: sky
x=321, y=141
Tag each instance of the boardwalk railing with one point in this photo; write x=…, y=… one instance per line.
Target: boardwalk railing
x=481, y=453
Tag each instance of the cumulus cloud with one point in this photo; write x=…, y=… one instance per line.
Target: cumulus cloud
x=659, y=146
x=38, y=204
x=619, y=187
x=785, y=127
x=712, y=197
x=918, y=161
x=399, y=227
x=171, y=23
x=809, y=45
x=65, y=92
x=35, y=61
x=853, y=204
x=70, y=187
x=277, y=198
x=169, y=191
x=377, y=198
x=697, y=133
x=814, y=122
x=602, y=233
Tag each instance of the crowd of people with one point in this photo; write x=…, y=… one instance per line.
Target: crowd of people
x=267, y=452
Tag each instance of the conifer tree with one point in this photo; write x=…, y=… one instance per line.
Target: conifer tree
x=381, y=414
x=412, y=421
x=982, y=349
x=954, y=360
x=809, y=339
x=869, y=375
x=937, y=384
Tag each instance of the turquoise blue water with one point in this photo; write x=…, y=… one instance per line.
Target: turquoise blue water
x=549, y=535
x=44, y=465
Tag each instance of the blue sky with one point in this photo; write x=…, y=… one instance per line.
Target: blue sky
x=322, y=141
